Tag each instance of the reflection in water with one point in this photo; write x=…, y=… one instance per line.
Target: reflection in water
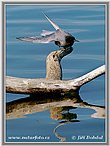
x=62, y=138
x=62, y=113
x=59, y=108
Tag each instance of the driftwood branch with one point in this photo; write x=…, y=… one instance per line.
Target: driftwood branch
x=53, y=65
x=53, y=82
x=31, y=86
x=89, y=76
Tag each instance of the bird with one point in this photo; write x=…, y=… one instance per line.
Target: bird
x=60, y=37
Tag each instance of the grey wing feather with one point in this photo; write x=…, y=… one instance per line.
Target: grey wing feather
x=46, y=32
x=45, y=39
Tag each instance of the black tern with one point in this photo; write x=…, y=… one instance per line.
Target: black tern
x=60, y=37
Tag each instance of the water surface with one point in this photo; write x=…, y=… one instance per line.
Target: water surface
x=24, y=59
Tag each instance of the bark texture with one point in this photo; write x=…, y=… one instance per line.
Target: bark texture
x=32, y=86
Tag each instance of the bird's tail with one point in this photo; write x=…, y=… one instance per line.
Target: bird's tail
x=53, y=24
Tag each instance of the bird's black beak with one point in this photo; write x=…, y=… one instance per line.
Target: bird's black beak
x=76, y=40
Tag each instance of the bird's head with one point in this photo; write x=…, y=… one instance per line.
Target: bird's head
x=70, y=40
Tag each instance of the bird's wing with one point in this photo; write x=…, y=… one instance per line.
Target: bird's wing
x=46, y=32
x=45, y=39
x=53, y=24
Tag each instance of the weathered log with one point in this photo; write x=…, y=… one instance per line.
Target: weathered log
x=32, y=86
x=53, y=82
x=53, y=65
x=88, y=77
